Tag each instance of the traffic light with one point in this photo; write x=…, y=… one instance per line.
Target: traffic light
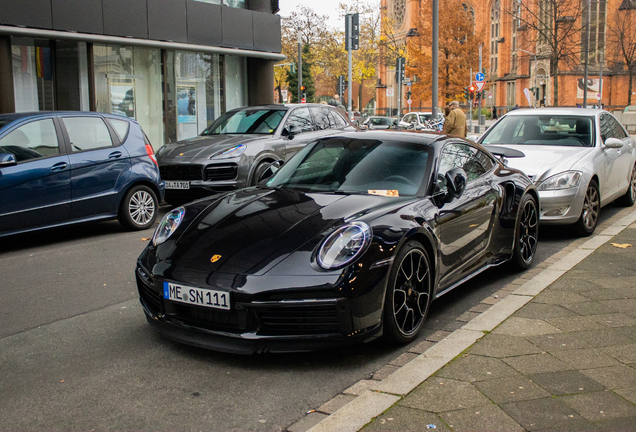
x=471, y=91
x=303, y=96
x=342, y=85
x=353, y=33
x=399, y=69
x=466, y=93
x=408, y=94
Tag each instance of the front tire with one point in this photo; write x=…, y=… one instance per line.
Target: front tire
x=409, y=294
x=138, y=209
x=262, y=171
x=526, y=233
x=588, y=220
x=629, y=198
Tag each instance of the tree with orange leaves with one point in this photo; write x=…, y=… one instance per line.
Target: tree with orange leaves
x=458, y=51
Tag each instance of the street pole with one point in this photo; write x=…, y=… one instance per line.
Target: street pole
x=479, y=122
x=600, y=80
x=435, y=54
x=470, y=102
x=587, y=49
x=300, y=66
x=349, y=27
x=399, y=95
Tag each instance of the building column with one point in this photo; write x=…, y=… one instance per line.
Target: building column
x=7, y=97
x=260, y=81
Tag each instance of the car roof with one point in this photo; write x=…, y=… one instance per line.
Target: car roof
x=35, y=114
x=282, y=106
x=557, y=111
x=392, y=135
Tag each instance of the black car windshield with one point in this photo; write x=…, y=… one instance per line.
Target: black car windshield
x=552, y=130
x=247, y=121
x=357, y=166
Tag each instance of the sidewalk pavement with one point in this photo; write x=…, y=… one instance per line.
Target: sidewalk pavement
x=554, y=350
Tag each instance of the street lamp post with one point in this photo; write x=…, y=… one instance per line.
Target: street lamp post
x=536, y=90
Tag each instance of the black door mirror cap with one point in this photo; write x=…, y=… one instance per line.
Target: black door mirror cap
x=456, y=180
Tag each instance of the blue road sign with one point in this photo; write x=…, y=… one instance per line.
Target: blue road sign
x=479, y=77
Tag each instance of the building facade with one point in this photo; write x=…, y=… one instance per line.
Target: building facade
x=517, y=56
x=173, y=65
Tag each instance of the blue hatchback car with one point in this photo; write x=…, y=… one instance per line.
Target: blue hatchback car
x=59, y=168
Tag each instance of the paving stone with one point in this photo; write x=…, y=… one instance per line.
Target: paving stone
x=579, y=426
x=536, y=363
x=476, y=368
x=515, y=326
x=608, y=336
x=403, y=359
x=566, y=382
x=421, y=347
x=511, y=389
x=335, y=404
x=624, y=353
x=624, y=285
x=360, y=387
x=614, y=320
x=307, y=422
x=438, y=336
x=602, y=294
x=546, y=413
x=467, y=316
x=615, y=377
x=494, y=345
x=590, y=358
x=627, y=291
x=490, y=300
x=453, y=325
x=573, y=285
x=543, y=311
x=625, y=305
x=405, y=419
x=574, y=323
x=629, y=394
x=589, y=308
x=625, y=424
x=599, y=406
x=443, y=394
x=485, y=418
x=481, y=307
x=384, y=372
x=559, y=342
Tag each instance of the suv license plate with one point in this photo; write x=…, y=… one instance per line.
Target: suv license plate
x=177, y=185
x=196, y=296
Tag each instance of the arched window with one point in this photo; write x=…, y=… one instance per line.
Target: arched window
x=495, y=10
x=468, y=8
x=598, y=21
x=398, y=12
x=514, y=28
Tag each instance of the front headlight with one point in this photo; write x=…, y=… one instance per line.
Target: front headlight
x=564, y=180
x=344, y=245
x=230, y=153
x=168, y=225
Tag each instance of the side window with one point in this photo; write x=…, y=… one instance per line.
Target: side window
x=121, y=127
x=34, y=140
x=321, y=118
x=619, y=132
x=473, y=161
x=338, y=121
x=87, y=133
x=606, y=127
x=300, y=117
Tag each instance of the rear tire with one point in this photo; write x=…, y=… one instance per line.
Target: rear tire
x=138, y=209
x=629, y=198
x=408, y=295
x=526, y=233
x=588, y=220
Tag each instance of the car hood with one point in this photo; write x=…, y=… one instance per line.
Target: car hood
x=206, y=146
x=252, y=230
x=541, y=162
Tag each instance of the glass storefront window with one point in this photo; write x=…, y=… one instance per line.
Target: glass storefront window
x=128, y=82
x=235, y=82
x=32, y=74
x=231, y=3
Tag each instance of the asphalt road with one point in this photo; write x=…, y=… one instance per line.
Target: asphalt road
x=76, y=352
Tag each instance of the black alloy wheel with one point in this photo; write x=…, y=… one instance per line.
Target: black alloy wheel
x=526, y=233
x=409, y=294
x=629, y=198
x=588, y=220
x=138, y=209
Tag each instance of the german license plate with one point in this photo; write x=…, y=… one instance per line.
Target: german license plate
x=177, y=185
x=196, y=296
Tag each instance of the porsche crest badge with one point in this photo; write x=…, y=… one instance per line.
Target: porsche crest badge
x=215, y=258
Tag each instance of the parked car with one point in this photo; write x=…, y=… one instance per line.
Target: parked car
x=59, y=168
x=351, y=239
x=377, y=122
x=580, y=160
x=416, y=120
x=357, y=118
x=241, y=147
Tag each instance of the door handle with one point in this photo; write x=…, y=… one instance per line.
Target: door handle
x=114, y=155
x=59, y=166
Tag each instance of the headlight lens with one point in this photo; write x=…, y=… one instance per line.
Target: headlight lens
x=230, y=153
x=344, y=245
x=168, y=225
x=564, y=180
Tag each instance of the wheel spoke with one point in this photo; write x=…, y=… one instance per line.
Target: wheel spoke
x=402, y=303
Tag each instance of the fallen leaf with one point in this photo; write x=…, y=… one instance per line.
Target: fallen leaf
x=622, y=246
x=62, y=381
x=145, y=239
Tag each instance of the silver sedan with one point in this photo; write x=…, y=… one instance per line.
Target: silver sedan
x=579, y=159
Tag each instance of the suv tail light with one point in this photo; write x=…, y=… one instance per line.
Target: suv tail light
x=151, y=154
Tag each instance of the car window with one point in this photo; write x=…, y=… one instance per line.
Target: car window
x=618, y=131
x=300, y=117
x=549, y=130
x=339, y=121
x=425, y=117
x=87, y=133
x=470, y=159
x=37, y=139
x=121, y=127
x=323, y=118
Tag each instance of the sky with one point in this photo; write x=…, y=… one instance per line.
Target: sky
x=321, y=7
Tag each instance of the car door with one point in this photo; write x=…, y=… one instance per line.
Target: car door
x=625, y=160
x=99, y=168
x=611, y=160
x=301, y=118
x=465, y=222
x=37, y=190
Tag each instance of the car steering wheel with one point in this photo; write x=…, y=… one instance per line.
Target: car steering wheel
x=401, y=179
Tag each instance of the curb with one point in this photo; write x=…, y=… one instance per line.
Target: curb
x=375, y=397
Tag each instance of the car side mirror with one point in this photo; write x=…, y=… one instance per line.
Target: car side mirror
x=473, y=138
x=7, y=159
x=395, y=122
x=613, y=143
x=456, y=180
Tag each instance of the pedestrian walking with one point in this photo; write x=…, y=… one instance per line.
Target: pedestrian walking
x=335, y=100
x=494, y=113
x=455, y=123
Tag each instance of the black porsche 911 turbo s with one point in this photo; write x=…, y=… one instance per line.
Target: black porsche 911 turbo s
x=352, y=239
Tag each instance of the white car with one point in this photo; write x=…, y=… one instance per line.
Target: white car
x=417, y=120
x=579, y=159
